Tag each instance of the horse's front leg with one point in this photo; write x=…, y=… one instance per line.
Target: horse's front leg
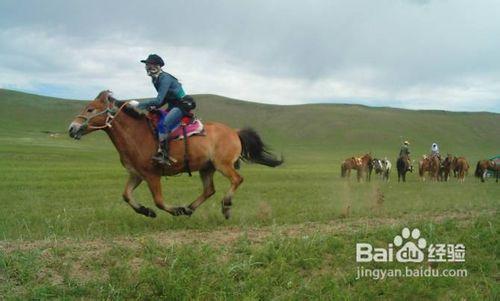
x=154, y=185
x=132, y=183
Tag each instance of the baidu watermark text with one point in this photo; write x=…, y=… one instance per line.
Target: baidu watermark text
x=410, y=247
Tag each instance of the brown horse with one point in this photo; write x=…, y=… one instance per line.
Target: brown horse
x=219, y=149
x=483, y=166
x=360, y=164
x=431, y=165
x=347, y=166
x=366, y=166
x=446, y=167
x=461, y=165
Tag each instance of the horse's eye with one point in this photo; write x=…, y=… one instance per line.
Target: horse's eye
x=90, y=110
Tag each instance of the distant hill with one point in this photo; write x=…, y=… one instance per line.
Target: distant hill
x=343, y=129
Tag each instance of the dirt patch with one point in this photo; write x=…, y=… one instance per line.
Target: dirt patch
x=228, y=235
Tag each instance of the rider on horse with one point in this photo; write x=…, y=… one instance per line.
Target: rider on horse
x=169, y=92
x=405, y=150
x=435, y=150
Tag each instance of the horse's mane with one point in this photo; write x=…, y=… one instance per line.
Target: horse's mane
x=104, y=95
x=367, y=156
x=127, y=109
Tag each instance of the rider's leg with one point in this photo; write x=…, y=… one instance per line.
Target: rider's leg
x=170, y=121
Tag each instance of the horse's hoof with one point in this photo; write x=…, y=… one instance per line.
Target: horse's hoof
x=187, y=211
x=151, y=213
x=178, y=211
x=226, y=211
x=182, y=211
x=146, y=211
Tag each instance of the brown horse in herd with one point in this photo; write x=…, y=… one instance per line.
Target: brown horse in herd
x=440, y=170
x=363, y=165
x=431, y=165
x=446, y=168
x=461, y=167
x=219, y=149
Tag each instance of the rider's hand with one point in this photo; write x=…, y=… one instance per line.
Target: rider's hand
x=151, y=108
x=134, y=103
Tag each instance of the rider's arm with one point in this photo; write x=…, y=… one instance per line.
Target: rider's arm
x=165, y=82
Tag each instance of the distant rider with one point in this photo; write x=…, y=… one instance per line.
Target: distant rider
x=405, y=150
x=435, y=150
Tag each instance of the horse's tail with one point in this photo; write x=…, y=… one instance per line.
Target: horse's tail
x=254, y=150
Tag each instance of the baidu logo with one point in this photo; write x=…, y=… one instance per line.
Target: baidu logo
x=409, y=246
x=410, y=251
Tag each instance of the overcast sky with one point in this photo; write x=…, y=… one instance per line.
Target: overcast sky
x=408, y=53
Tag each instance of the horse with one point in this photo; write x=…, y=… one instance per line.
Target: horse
x=483, y=166
x=219, y=149
x=461, y=165
x=347, y=166
x=431, y=165
x=360, y=164
x=382, y=167
x=366, y=166
x=403, y=165
x=446, y=167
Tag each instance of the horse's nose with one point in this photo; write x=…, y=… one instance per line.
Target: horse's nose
x=73, y=129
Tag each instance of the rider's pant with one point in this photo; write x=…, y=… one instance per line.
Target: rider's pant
x=170, y=122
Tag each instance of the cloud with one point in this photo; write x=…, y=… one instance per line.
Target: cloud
x=413, y=54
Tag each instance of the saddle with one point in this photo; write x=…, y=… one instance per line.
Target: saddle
x=188, y=126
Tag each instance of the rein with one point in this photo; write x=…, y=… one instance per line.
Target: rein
x=111, y=114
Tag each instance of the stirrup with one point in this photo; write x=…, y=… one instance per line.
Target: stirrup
x=161, y=159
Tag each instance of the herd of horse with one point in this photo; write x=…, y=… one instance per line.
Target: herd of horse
x=434, y=167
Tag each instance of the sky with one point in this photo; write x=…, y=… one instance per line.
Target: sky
x=415, y=54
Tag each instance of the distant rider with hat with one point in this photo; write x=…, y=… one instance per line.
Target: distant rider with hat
x=405, y=150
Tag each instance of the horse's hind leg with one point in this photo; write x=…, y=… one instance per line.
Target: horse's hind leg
x=229, y=172
x=207, y=177
x=132, y=183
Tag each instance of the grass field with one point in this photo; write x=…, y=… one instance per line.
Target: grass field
x=66, y=233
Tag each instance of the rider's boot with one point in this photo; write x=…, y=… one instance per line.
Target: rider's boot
x=162, y=156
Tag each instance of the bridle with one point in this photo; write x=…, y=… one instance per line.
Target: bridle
x=111, y=112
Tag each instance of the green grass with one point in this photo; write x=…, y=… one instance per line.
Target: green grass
x=54, y=189
x=317, y=266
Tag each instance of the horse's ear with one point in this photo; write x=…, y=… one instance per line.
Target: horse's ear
x=109, y=96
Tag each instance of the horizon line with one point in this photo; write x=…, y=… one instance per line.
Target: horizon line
x=333, y=102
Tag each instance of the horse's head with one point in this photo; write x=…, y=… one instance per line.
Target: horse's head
x=94, y=116
x=367, y=158
x=411, y=163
